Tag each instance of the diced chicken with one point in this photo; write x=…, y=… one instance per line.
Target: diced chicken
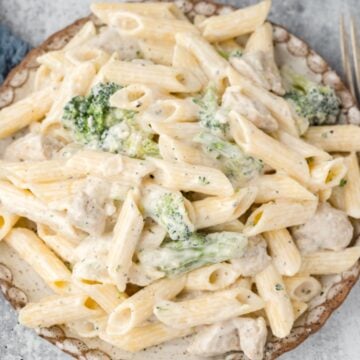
x=259, y=67
x=88, y=209
x=245, y=334
x=255, y=258
x=252, y=109
x=328, y=229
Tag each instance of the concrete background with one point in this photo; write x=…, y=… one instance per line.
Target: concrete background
x=316, y=21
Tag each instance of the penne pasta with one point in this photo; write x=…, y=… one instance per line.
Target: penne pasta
x=208, y=308
x=24, y=204
x=278, y=307
x=26, y=111
x=278, y=186
x=260, y=145
x=211, y=278
x=285, y=255
x=237, y=23
x=139, y=307
x=45, y=263
x=329, y=262
x=145, y=336
x=302, y=288
x=214, y=211
x=334, y=138
x=59, y=310
x=278, y=215
x=182, y=176
x=177, y=80
x=126, y=236
x=7, y=221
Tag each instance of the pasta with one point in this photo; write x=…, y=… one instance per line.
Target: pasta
x=162, y=183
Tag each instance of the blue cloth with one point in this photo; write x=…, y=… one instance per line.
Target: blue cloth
x=12, y=50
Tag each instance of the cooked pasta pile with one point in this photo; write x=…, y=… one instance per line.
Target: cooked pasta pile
x=179, y=182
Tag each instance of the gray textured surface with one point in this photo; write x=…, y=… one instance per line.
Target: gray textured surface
x=315, y=21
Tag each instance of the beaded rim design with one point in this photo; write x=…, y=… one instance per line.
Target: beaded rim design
x=312, y=320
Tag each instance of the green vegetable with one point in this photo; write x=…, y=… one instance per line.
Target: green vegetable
x=237, y=166
x=210, y=115
x=94, y=123
x=318, y=104
x=168, y=210
x=343, y=182
x=178, y=257
x=230, y=54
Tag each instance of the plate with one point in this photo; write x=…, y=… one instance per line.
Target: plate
x=20, y=284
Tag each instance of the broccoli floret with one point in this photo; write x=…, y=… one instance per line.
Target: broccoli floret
x=211, y=115
x=237, y=166
x=318, y=104
x=168, y=210
x=94, y=123
x=178, y=257
x=230, y=54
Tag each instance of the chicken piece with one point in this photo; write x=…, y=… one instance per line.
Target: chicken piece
x=240, y=334
x=87, y=210
x=255, y=258
x=252, y=109
x=328, y=229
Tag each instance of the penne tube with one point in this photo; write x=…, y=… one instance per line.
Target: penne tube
x=171, y=79
x=127, y=232
x=302, y=288
x=76, y=82
x=145, y=336
x=26, y=111
x=351, y=189
x=139, y=307
x=175, y=150
x=172, y=110
x=26, y=205
x=215, y=210
x=156, y=51
x=143, y=275
x=306, y=150
x=56, y=62
x=299, y=308
x=261, y=40
x=136, y=97
x=88, y=328
x=329, y=262
x=262, y=146
x=211, y=62
x=129, y=24
x=285, y=255
x=186, y=177
x=165, y=10
x=87, y=54
x=87, y=32
x=46, y=78
x=56, y=310
x=7, y=221
x=44, y=262
x=94, y=162
x=57, y=194
x=327, y=174
x=232, y=226
x=278, y=307
x=183, y=57
x=211, y=278
x=179, y=131
x=107, y=296
x=64, y=247
x=234, y=24
x=208, y=309
x=340, y=138
x=278, y=186
x=278, y=215
x=151, y=237
x=25, y=173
